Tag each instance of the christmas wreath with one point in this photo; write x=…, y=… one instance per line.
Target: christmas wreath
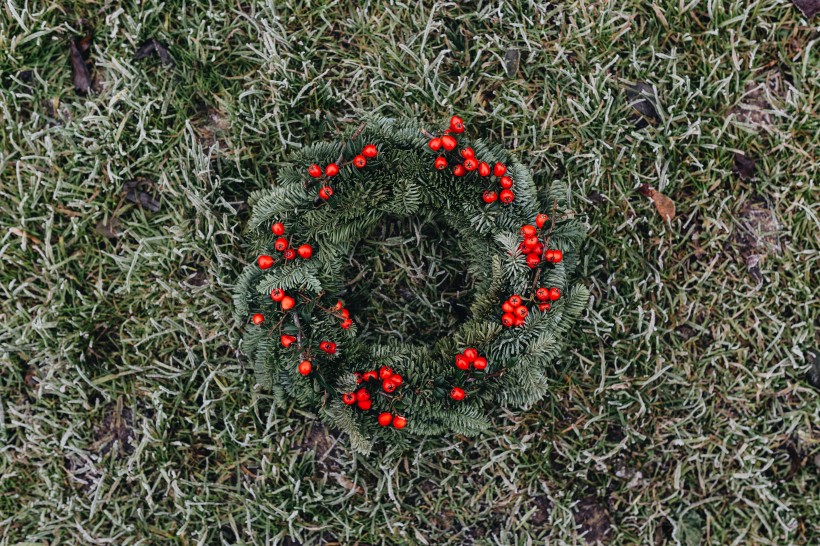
x=519, y=243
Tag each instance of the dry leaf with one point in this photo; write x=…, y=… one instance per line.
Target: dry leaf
x=664, y=205
x=511, y=62
x=108, y=229
x=153, y=47
x=744, y=167
x=135, y=192
x=810, y=8
x=79, y=70
x=642, y=98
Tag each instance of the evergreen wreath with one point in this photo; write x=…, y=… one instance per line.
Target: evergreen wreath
x=306, y=346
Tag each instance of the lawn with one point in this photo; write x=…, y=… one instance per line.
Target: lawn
x=686, y=409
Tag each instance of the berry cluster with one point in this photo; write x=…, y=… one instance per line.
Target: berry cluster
x=470, y=357
x=514, y=311
x=534, y=248
x=386, y=418
x=546, y=295
x=342, y=313
x=464, y=360
x=390, y=381
x=280, y=296
x=466, y=162
x=283, y=245
x=360, y=162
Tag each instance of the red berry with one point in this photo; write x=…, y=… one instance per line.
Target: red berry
x=396, y=379
x=305, y=367
x=362, y=395
x=457, y=124
x=449, y=143
x=277, y=294
x=543, y=307
x=339, y=304
x=305, y=251
x=499, y=169
x=360, y=161
x=484, y=169
x=328, y=346
x=399, y=422
x=370, y=151
x=528, y=230
x=457, y=393
x=480, y=363
x=389, y=386
x=315, y=171
x=549, y=255
x=506, y=196
x=541, y=219
x=538, y=249
x=385, y=372
x=518, y=321
x=554, y=294
x=489, y=196
x=507, y=307
x=258, y=318
x=470, y=354
x=459, y=170
x=467, y=153
x=533, y=260
x=507, y=319
x=524, y=248
x=462, y=363
x=326, y=192
x=287, y=303
x=531, y=241
x=346, y=324
x=515, y=300
x=281, y=244
x=370, y=375
x=440, y=163
x=470, y=164
x=557, y=256
x=385, y=418
x=358, y=377
x=434, y=144
x=364, y=405
x=278, y=228
x=344, y=313
x=332, y=169
x=349, y=398
x=506, y=182
x=289, y=254
x=543, y=294
x=522, y=311
x=264, y=261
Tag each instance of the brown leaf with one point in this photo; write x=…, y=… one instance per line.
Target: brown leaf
x=153, y=47
x=511, y=61
x=810, y=8
x=108, y=228
x=135, y=192
x=744, y=167
x=85, y=43
x=664, y=205
x=79, y=70
x=642, y=98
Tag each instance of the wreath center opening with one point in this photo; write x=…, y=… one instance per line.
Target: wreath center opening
x=409, y=280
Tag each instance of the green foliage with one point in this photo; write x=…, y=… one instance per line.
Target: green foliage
x=402, y=183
